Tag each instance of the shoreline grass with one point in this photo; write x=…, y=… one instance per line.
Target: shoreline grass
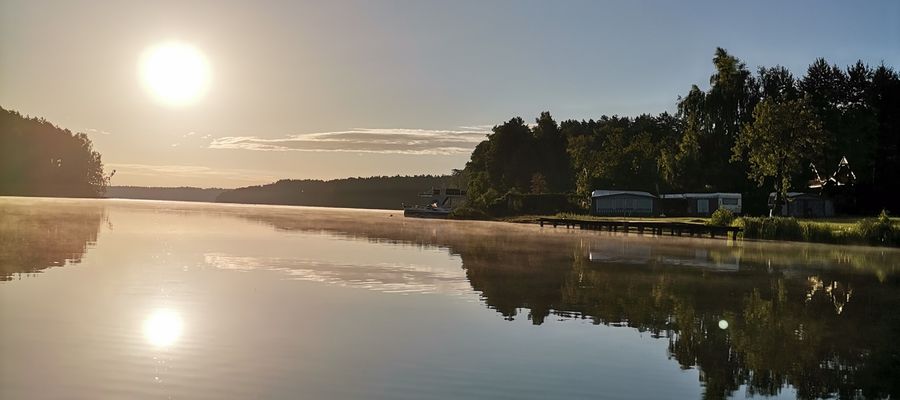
x=878, y=231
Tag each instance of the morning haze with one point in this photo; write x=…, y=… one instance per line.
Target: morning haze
x=449, y=200
x=315, y=90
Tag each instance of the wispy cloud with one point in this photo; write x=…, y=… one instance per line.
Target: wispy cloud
x=366, y=140
x=191, y=171
x=97, y=131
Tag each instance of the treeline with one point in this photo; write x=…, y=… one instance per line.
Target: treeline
x=380, y=192
x=38, y=158
x=751, y=133
x=183, y=193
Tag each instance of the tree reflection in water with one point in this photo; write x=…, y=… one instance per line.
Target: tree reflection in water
x=819, y=318
x=36, y=238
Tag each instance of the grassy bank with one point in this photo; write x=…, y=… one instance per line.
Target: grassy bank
x=585, y=217
x=878, y=231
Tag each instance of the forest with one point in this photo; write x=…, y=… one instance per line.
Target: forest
x=380, y=192
x=183, y=193
x=749, y=132
x=38, y=158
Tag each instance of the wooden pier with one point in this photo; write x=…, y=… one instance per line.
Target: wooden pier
x=658, y=228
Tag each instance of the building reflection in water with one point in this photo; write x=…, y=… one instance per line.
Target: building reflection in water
x=761, y=316
x=758, y=316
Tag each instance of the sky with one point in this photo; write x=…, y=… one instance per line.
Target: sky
x=359, y=88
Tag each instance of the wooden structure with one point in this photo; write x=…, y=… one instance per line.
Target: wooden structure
x=698, y=204
x=622, y=203
x=651, y=227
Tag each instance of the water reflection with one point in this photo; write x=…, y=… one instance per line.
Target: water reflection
x=759, y=316
x=35, y=236
x=163, y=327
x=754, y=316
x=378, y=275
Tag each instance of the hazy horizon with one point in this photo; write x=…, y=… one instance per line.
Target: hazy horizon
x=325, y=91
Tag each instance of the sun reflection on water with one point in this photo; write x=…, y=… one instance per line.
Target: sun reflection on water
x=163, y=327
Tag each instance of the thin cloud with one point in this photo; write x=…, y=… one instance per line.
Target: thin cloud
x=97, y=131
x=365, y=140
x=191, y=171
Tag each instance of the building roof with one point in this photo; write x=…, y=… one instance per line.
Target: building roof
x=701, y=195
x=605, y=193
x=792, y=195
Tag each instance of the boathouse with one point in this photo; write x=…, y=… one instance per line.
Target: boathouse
x=622, y=203
x=699, y=204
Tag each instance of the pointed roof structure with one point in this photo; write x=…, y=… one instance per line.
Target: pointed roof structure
x=843, y=175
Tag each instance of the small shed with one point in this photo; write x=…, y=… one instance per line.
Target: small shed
x=700, y=204
x=804, y=205
x=622, y=203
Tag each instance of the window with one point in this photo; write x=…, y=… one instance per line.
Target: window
x=730, y=201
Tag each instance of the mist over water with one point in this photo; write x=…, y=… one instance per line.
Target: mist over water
x=115, y=298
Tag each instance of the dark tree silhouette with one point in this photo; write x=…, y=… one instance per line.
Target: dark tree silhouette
x=38, y=158
x=857, y=108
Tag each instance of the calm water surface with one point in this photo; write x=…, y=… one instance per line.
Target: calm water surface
x=134, y=299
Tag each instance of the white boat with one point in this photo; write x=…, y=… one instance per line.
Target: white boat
x=441, y=203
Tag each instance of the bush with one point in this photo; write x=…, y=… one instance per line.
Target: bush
x=721, y=217
x=878, y=230
x=469, y=213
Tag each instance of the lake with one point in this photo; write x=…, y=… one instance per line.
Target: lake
x=144, y=299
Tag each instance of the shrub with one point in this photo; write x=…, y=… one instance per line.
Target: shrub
x=721, y=217
x=469, y=213
x=877, y=230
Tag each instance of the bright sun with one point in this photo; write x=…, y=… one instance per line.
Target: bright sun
x=177, y=73
x=163, y=327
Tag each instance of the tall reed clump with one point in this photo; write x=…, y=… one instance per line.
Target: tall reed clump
x=878, y=230
x=875, y=231
x=775, y=228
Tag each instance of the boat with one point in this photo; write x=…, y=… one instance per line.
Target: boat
x=441, y=203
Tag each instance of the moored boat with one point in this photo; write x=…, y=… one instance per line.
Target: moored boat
x=441, y=203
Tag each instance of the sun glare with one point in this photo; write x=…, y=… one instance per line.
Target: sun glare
x=176, y=73
x=163, y=327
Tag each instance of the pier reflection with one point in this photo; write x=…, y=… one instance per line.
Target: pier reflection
x=751, y=315
x=748, y=316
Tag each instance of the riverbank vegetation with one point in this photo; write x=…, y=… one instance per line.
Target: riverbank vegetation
x=750, y=133
x=870, y=231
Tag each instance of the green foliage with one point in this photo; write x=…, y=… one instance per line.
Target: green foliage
x=747, y=130
x=870, y=231
x=469, y=213
x=777, y=141
x=721, y=217
x=878, y=230
x=38, y=158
